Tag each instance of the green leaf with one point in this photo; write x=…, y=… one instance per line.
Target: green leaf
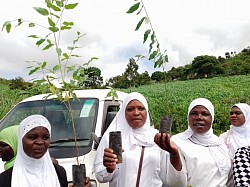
x=39, y=42
x=147, y=32
x=55, y=8
x=54, y=15
x=66, y=23
x=139, y=11
x=42, y=11
x=5, y=25
x=54, y=29
x=153, y=55
x=139, y=23
x=166, y=58
x=70, y=48
x=65, y=28
x=51, y=22
x=44, y=65
x=159, y=62
x=133, y=8
x=93, y=58
x=48, y=46
x=71, y=6
x=33, y=70
x=32, y=24
x=8, y=27
x=33, y=36
x=59, y=3
x=20, y=21
x=152, y=42
x=66, y=55
x=56, y=68
x=59, y=51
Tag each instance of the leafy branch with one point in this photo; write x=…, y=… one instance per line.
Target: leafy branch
x=53, y=11
x=154, y=53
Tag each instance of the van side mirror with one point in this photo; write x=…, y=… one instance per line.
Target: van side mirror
x=96, y=140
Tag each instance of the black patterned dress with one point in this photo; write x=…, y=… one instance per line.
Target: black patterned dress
x=241, y=167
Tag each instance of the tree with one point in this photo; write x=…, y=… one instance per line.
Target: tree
x=157, y=76
x=204, y=66
x=131, y=72
x=144, y=78
x=94, y=78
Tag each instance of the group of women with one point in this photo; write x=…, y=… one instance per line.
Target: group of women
x=195, y=157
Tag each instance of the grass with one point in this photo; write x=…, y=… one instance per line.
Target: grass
x=173, y=99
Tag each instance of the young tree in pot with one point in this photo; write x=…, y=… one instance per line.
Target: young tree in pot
x=68, y=76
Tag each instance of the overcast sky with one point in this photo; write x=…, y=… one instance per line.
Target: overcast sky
x=185, y=28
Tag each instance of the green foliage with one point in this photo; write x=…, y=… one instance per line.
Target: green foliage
x=154, y=53
x=9, y=97
x=93, y=78
x=50, y=40
x=130, y=77
x=223, y=92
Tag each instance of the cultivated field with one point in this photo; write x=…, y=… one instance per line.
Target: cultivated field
x=173, y=98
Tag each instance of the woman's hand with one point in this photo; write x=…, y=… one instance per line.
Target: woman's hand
x=164, y=142
x=87, y=182
x=109, y=160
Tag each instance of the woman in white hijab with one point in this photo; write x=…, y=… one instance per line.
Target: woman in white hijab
x=204, y=158
x=33, y=166
x=239, y=133
x=134, y=123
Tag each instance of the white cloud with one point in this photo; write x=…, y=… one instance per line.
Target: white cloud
x=185, y=28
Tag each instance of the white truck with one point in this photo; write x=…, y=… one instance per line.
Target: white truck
x=93, y=111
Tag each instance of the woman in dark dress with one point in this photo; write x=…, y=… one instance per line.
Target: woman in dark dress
x=33, y=165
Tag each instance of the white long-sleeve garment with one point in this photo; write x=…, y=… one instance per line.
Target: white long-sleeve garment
x=200, y=165
x=126, y=173
x=205, y=158
x=155, y=161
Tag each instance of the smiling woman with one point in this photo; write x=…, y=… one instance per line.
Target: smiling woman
x=200, y=148
x=239, y=133
x=33, y=165
x=143, y=162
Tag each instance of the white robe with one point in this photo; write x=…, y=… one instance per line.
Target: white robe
x=199, y=165
x=155, y=161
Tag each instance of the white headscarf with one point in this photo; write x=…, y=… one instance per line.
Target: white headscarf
x=208, y=139
x=240, y=136
x=31, y=172
x=143, y=136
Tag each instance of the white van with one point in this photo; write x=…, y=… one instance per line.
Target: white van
x=92, y=114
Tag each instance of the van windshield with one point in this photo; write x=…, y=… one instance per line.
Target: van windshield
x=84, y=111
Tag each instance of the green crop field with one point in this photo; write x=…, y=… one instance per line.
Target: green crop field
x=9, y=98
x=173, y=99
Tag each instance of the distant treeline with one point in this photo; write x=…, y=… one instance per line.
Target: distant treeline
x=201, y=67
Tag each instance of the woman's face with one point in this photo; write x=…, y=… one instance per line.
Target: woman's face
x=135, y=114
x=6, y=152
x=236, y=117
x=200, y=119
x=36, y=142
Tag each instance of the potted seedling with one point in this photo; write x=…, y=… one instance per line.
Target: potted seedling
x=64, y=74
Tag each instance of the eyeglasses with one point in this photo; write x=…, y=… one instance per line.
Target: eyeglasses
x=236, y=113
